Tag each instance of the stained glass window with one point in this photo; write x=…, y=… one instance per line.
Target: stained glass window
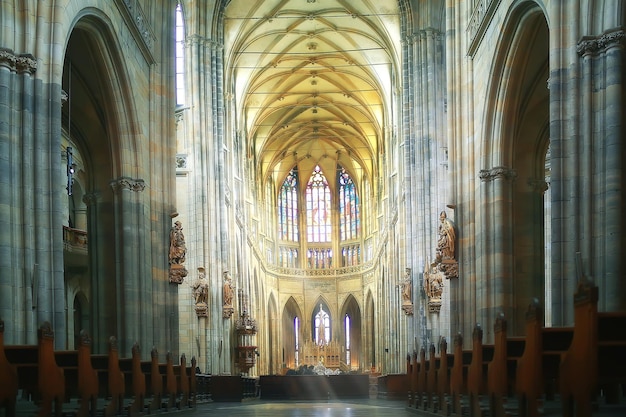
x=322, y=327
x=318, y=218
x=349, y=219
x=288, y=208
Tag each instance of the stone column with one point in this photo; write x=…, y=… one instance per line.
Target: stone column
x=129, y=256
x=602, y=165
x=208, y=223
x=496, y=295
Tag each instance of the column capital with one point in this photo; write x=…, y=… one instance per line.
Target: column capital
x=23, y=63
x=594, y=45
x=125, y=183
x=91, y=198
x=204, y=41
x=500, y=172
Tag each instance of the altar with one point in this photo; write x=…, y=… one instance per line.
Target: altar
x=313, y=387
x=327, y=354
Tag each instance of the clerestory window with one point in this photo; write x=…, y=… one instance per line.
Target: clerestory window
x=180, y=56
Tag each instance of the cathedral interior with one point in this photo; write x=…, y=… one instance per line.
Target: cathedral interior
x=267, y=184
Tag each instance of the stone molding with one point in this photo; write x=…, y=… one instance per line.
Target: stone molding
x=138, y=23
x=595, y=45
x=501, y=172
x=479, y=21
x=125, y=183
x=22, y=63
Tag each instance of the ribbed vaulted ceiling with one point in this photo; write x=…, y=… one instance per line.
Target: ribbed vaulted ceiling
x=313, y=81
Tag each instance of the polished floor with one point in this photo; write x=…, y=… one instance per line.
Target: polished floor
x=347, y=408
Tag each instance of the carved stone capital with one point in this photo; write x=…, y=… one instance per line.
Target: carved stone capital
x=488, y=175
x=126, y=183
x=430, y=33
x=206, y=42
x=24, y=63
x=90, y=198
x=7, y=58
x=594, y=45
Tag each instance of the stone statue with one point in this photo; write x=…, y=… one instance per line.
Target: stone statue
x=178, y=250
x=447, y=238
x=227, y=289
x=407, y=287
x=201, y=288
x=407, y=293
x=433, y=286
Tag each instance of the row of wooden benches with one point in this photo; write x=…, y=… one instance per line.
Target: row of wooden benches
x=516, y=375
x=103, y=384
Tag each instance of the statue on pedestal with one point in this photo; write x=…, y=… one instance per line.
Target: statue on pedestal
x=177, y=253
x=407, y=293
x=227, y=295
x=201, y=294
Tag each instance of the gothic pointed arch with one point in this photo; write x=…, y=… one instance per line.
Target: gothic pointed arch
x=273, y=354
x=351, y=323
x=369, y=331
x=513, y=170
x=292, y=332
x=99, y=122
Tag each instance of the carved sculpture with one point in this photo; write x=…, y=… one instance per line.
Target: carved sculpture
x=201, y=294
x=227, y=295
x=447, y=238
x=445, y=260
x=433, y=287
x=407, y=293
x=177, y=253
x=178, y=250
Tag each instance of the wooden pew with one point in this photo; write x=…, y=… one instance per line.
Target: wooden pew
x=38, y=373
x=193, y=383
x=137, y=389
x=182, y=380
x=111, y=378
x=458, y=377
x=446, y=361
x=596, y=356
x=170, y=386
x=422, y=380
x=432, y=395
x=155, y=380
x=501, y=370
x=87, y=377
x=477, y=371
x=81, y=380
x=411, y=372
x=538, y=367
x=8, y=379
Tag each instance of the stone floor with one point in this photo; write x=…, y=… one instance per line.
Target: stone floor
x=347, y=408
